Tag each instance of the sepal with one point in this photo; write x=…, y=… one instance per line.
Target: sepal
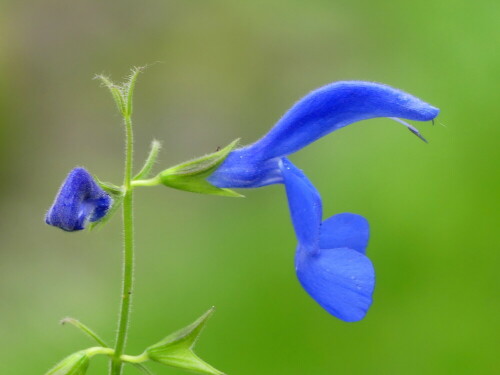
x=122, y=94
x=108, y=187
x=116, y=192
x=177, y=349
x=116, y=92
x=191, y=176
x=74, y=364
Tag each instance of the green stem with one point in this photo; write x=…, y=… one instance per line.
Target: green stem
x=128, y=254
x=149, y=182
x=135, y=358
x=99, y=350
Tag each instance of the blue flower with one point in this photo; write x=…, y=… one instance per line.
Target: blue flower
x=319, y=113
x=79, y=201
x=330, y=258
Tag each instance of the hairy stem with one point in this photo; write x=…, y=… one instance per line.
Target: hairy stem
x=99, y=350
x=135, y=358
x=128, y=254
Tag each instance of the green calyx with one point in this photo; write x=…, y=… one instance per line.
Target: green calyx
x=78, y=363
x=189, y=176
x=74, y=364
x=177, y=349
x=192, y=175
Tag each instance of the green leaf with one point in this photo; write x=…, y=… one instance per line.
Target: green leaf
x=150, y=161
x=82, y=327
x=187, y=360
x=187, y=335
x=128, y=89
x=116, y=91
x=177, y=349
x=75, y=364
x=191, y=176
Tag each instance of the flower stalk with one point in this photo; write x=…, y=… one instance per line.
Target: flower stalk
x=128, y=250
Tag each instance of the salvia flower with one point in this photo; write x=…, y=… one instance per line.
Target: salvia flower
x=319, y=113
x=330, y=259
x=79, y=201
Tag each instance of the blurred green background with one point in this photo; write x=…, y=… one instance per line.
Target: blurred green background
x=229, y=69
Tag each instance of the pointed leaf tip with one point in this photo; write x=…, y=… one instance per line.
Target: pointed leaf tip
x=128, y=89
x=176, y=350
x=115, y=90
x=187, y=335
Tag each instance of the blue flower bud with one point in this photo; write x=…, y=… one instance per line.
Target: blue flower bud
x=79, y=201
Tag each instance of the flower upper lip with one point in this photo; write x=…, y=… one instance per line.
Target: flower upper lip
x=319, y=113
x=330, y=259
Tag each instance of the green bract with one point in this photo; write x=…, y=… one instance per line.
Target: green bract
x=75, y=364
x=122, y=94
x=191, y=176
x=177, y=349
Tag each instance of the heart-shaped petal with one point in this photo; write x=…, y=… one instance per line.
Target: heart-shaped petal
x=340, y=280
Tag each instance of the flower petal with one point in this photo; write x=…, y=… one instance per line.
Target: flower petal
x=340, y=280
x=79, y=200
x=319, y=113
x=345, y=230
x=334, y=106
x=305, y=206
